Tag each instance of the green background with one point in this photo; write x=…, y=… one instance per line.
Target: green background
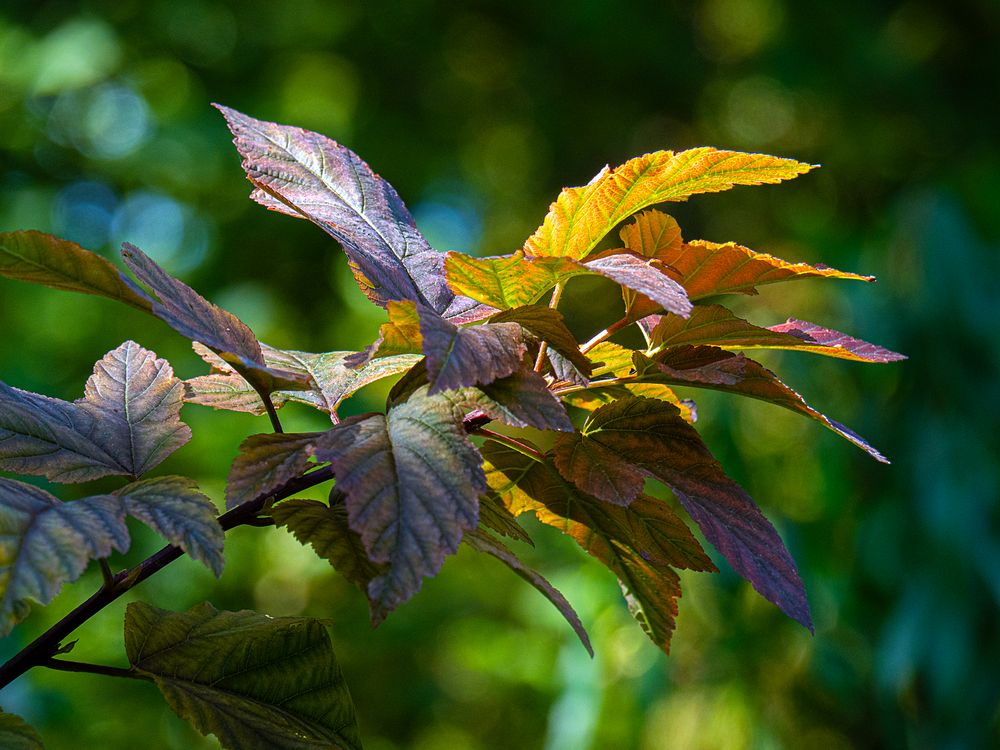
x=479, y=113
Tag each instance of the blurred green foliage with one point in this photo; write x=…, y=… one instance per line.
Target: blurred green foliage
x=478, y=113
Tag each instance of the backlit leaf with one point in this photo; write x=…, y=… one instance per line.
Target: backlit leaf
x=580, y=217
x=325, y=528
x=651, y=436
x=711, y=367
x=266, y=462
x=252, y=680
x=17, y=734
x=493, y=514
x=44, y=259
x=174, y=508
x=45, y=543
x=126, y=424
x=191, y=315
x=596, y=470
x=459, y=357
x=641, y=544
x=412, y=480
x=399, y=335
x=708, y=268
x=301, y=173
x=646, y=277
x=483, y=542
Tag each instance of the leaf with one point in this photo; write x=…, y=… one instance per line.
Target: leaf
x=548, y=325
x=412, y=479
x=483, y=542
x=173, y=507
x=580, y=217
x=494, y=515
x=520, y=400
x=60, y=264
x=252, y=680
x=646, y=277
x=137, y=401
x=17, y=734
x=45, y=543
x=191, y=315
x=325, y=528
x=334, y=381
x=266, y=462
x=640, y=544
x=301, y=173
x=716, y=325
x=708, y=268
x=127, y=423
x=651, y=436
x=596, y=470
x=459, y=357
x=399, y=335
x=711, y=367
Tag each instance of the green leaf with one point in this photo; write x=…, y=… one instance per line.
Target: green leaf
x=651, y=436
x=45, y=543
x=128, y=422
x=640, y=544
x=716, y=325
x=325, y=528
x=17, y=734
x=266, y=462
x=580, y=217
x=254, y=681
x=412, y=479
x=173, y=507
x=191, y=315
x=61, y=264
x=711, y=367
x=483, y=542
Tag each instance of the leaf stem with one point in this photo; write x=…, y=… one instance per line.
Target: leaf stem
x=607, y=333
x=514, y=443
x=272, y=413
x=557, y=293
x=66, y=665
x=107, y=573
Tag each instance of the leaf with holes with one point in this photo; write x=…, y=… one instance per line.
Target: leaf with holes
x=252, y=680
x=45, y=543
x=175, y=509
x=412, y=479
x=581, y=216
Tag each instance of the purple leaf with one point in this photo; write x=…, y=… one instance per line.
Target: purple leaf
x=642, y=275
x=520, y=400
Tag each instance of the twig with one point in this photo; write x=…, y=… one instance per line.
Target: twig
x=607, y=333
x=514, y=443
x=553, y=303
x=66, y=665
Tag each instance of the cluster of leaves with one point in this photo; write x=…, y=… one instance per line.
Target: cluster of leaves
x=471, y=341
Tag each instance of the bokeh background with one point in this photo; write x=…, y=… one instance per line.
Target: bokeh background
x=479, y=113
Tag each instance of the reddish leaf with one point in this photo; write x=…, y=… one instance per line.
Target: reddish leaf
x=483, y=542
x=44, y=259
x=126, y=424
x=301, y=173
x=412, y=480
x=651, y=436
x=520, y=400
x=580, y=217
x=459, y=357
x=646, y=277
x=266, y=462
x=596, y=470
x=716, y=325
x=191, y=315
x=548, y=325
x=711, y=367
